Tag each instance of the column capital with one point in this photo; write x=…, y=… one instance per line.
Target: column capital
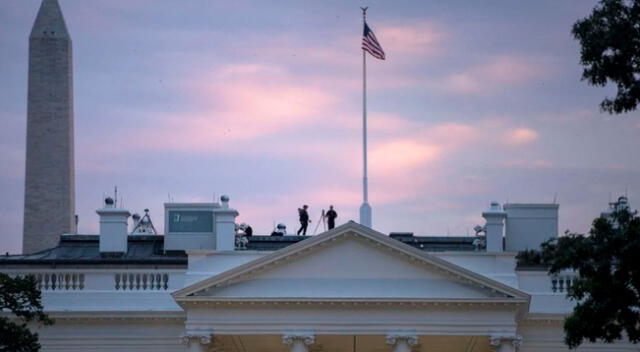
x=306, y=338
x=193, y=337
x=410, y=339
x=496, y=341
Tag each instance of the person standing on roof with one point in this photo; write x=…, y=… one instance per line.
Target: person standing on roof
x=331, y=217
x=304, y=219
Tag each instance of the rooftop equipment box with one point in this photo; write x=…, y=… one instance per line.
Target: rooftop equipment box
x=528, y=225
x=190, y=226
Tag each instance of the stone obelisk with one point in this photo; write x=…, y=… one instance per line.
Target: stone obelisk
x=49, y=201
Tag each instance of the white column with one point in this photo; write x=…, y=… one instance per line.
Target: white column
x=505, y=343
x=402, y=342
x=195, y=341
x=299, y=342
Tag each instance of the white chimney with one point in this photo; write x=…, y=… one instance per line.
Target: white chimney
x=225, y=226
x=528, y=225
x=494, y=227
x=113, y=228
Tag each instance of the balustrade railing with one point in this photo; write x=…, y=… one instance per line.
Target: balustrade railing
x=60, y=281
x=562, y=283
x=53, y=280
x=141, y=281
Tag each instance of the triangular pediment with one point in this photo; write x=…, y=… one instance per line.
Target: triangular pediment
x=351, y=262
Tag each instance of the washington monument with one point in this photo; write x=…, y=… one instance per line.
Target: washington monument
x=49, y=201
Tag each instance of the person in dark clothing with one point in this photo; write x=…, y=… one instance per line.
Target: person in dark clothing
x=331, y=217
x=280, y=230
x=304, y=219
x=244, y=230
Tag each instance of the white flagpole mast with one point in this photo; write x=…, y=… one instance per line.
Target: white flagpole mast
x=365, y=208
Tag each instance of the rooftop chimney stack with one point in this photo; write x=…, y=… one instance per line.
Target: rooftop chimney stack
x=528, y=225
x=113, y=228
x=494, y=228
x=225, y=223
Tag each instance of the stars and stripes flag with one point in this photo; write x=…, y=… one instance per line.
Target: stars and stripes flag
x=370, y=43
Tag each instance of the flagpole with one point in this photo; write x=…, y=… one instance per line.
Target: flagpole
x=365, y=208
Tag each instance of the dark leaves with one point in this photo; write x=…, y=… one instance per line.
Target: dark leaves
x=610, y=51
x=607, y=291
x=20, y=296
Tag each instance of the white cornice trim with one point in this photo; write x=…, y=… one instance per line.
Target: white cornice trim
x=197, y=302
x=349, y=229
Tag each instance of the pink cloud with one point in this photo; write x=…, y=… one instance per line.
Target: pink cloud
x=240, y=103
x=520, y=136
x=453, y=135
x=401, y=156
x=413, y=40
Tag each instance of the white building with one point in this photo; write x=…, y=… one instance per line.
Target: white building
x=348, y=289
x=199, y=287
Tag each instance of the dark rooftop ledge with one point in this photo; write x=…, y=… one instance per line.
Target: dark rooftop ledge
x=148, y=250
x=540, y=267
x=81, y=250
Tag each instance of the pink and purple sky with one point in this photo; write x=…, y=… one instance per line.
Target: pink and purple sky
x=477, y=101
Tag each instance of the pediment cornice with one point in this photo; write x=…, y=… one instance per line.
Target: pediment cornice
x=351, y=230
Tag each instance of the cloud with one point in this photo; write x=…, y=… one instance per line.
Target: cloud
x=420, y=39
x=521, y=136
x=538, y=163
x=499, y=72
x=239, y=103
x=401, y=156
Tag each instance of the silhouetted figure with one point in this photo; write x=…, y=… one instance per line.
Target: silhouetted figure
x=304, y=219
x=280, y=230
x=331, y=217
x=245, y=229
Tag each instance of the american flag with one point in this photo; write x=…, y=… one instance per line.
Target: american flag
x=370, y=43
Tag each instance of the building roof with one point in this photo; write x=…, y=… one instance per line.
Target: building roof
x=426, y=243
x=149, y=249
x=84, y=249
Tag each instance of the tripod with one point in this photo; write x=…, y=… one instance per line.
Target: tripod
x=321, y=220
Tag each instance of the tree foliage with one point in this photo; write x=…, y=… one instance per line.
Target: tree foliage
x=21, y=297
x=610, y=51
x=607, y=291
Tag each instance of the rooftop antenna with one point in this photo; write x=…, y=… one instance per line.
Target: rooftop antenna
x=555, y=198
x=115, y=196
